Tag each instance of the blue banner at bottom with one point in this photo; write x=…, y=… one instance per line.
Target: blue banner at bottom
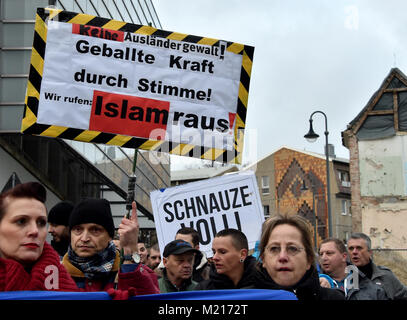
x=240, y=294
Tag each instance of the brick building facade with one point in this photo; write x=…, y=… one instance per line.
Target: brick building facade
x=294, y=182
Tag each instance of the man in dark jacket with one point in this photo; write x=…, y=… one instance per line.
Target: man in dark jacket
x=93, y=260
x=201, y=264
x=153, y=256
x=58, y=220
x=178, y=259
x=360, y=254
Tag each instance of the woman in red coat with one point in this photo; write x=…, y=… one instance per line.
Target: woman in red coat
x=27, y=262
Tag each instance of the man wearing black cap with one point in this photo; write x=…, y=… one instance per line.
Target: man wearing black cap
x=93, y=260
x=178, y=259
x=58, y=220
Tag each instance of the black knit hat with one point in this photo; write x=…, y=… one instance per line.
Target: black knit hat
x=60, y=213
x=93, y=211
x=178, y=247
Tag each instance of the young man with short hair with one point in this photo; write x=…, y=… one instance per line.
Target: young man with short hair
x=142, y=250
x=153, y=257
x=58, y=226
x=332, y=257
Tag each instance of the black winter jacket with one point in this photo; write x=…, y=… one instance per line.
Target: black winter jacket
x=218, y=281
x=201, y=268
x=307, y=289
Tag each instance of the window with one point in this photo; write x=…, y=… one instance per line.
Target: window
x=344, y=178
x=345, y=207
x=265, y=188
x=266, y=210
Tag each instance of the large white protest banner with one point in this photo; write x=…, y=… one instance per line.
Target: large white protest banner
x=209, y=206
x=107, y=81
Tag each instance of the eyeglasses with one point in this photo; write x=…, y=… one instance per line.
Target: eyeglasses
x=291, y=250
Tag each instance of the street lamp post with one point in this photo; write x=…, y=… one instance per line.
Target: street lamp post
x=311, y=136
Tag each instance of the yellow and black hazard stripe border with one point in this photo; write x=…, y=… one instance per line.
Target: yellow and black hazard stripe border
x=29, y=121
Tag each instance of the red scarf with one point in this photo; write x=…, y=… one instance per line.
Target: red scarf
x=13, y=276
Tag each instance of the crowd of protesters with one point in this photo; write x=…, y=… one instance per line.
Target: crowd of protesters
x=89, y=257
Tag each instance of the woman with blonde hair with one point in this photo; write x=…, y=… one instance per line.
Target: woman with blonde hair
x=288, y=260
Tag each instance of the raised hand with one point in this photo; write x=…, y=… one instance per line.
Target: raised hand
x=129, y=231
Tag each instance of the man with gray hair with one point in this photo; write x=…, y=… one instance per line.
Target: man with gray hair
x=360, y=254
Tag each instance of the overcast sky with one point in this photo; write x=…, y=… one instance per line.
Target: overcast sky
x=309, y=55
